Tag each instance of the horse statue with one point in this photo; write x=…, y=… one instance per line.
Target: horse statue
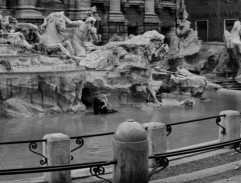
x=82, y=32
x=52, y=34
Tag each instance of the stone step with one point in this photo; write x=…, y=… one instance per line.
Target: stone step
x=230, y=84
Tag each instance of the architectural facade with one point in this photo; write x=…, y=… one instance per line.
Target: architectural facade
x=117, y=16
x=211, y=17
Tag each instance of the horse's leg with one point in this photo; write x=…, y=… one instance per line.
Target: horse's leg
x=68, y=45
x=64, y=50
x=60, y=47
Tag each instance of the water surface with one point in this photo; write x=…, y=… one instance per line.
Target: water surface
x=100, y=148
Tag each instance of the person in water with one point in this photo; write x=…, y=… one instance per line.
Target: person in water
x=100, y=105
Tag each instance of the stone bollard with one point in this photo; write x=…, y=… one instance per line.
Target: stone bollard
x=57, y=150
x=131, y=153
x=231, y=123
x=157, y=139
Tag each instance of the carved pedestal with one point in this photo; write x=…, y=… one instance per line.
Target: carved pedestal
x=26, y=10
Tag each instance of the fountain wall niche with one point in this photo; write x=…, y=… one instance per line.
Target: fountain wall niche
x=38, y=78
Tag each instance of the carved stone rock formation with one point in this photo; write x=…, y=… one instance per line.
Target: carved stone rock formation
x=128, y=72
x=182, y=41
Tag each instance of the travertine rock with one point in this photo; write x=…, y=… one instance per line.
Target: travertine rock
x=41, y=93
x=40, y=84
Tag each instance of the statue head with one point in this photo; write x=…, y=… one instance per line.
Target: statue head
x=90, y=21
x=91, y=12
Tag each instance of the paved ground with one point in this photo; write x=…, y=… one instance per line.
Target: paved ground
x=224, y=167
x=212, y=167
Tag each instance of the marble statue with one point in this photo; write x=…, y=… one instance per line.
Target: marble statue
x=183, y=41
x=82, y=32
x=183, y=25
x=232, y=42
x=52, y=33
x=128, y=71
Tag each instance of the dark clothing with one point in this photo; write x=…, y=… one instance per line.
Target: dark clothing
x=99, y=109
x=96, y=106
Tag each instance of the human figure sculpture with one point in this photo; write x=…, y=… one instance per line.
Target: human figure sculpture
x=183, y=25
x=82, y=32
x=233, y=44
x=233, y=37
x=183, y=41
x=54, y=36
x=16, y=32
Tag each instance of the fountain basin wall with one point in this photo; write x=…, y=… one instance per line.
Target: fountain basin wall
x=38, y=90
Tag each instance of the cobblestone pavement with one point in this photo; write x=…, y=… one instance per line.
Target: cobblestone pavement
x=197, y=165
x=229, y=176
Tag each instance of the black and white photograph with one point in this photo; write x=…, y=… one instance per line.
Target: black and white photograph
x=120, y=91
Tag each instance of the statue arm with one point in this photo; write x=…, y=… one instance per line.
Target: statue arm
x=73, y=23
x=29, y=25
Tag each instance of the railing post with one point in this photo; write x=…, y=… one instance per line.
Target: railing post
x=57, y=150
x=231, y=123
x=131, y=153
x=157, y=139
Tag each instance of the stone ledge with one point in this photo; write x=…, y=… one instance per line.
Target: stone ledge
x=32, y=180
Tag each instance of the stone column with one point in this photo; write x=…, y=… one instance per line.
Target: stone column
x=26, y=9
x=116, y=20
x=2, y=6
x=71, y=9
x=81, y=7
x=115, y=14
x=150, y=16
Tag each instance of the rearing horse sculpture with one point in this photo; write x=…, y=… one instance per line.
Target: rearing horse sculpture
x=52, y=33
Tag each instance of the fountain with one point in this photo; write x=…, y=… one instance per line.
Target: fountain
x=58, y=68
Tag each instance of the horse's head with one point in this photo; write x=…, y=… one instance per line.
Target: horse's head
x=58, y=18
x=90, y=22
x=60, y=21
